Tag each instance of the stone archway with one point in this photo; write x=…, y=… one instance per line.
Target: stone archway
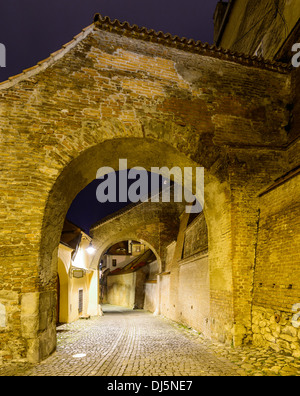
x=156, y=224
x=75, y=177
x=125, y=282
x=100, y=251
x=120, y=92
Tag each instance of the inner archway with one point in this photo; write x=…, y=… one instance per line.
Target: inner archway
x=80, y=172
x=128, y=275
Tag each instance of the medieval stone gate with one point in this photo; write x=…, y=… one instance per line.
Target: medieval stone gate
x=117, y=91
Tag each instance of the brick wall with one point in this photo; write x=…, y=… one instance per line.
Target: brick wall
x=277, y=272
x=194, y=293
x=196, y=237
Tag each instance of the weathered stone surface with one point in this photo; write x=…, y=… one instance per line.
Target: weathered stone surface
x=2, y=316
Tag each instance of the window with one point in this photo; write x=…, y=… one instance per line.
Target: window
x=114, y=262
x=80, y=301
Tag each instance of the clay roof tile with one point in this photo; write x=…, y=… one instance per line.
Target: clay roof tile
x=104, y=23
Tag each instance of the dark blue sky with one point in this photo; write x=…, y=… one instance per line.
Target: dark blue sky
x=32, y=29
x=86, y=210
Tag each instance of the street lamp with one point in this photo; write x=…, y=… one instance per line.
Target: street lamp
x=91, y=249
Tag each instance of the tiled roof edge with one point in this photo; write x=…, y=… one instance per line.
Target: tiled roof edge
x=190, y=45
x=166, y=39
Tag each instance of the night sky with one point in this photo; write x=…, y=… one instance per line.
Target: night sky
x=32, y=29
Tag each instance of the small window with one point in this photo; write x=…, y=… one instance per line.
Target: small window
x=114, y=262
x=80, y=301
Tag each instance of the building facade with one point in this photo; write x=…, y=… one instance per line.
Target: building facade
x=77, y=284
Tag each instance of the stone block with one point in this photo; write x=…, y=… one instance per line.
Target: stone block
x=288, y=338
x=30, y=304
x=270, y=338
x=33, y=350
x=30, y=326
x=290, y=331
x=7, y=295
x=258, y=340
x=2, y=316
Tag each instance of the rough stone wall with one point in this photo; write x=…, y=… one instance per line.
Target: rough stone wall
x=141, y=276
x=196, y=237
x=105, y=96
x=150, y=301
x=255, y=22
x=127, y=290
x=10, y=325
x=164, y=282
x=121, y=290
x=151, y=289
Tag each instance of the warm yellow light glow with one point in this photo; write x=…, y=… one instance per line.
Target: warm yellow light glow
x=91, y=249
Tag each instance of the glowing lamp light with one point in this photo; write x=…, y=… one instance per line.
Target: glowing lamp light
x=91, y=249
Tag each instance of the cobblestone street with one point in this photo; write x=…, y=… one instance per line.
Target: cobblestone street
x=135, y=343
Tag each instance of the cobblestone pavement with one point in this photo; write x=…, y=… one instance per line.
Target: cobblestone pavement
x=124, y=342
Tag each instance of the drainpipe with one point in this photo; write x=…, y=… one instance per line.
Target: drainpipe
x=227, y=13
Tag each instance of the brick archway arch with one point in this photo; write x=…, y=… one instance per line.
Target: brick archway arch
x=113, y=241
x=104, y=247
x=76, y=175
x=80, y=172
x=119, y=91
